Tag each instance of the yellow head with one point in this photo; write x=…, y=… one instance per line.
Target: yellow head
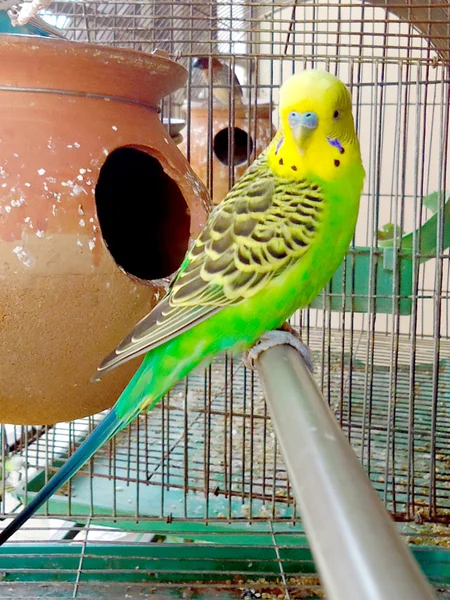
x=317, y=135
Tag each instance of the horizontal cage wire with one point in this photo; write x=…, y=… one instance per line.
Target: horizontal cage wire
x=204, y=465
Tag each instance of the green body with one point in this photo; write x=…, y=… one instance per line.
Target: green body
x=236, y=328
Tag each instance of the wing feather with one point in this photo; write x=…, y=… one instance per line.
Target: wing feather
x=263, y=226
x=150, y=333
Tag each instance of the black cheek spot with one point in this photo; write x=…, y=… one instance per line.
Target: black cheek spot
x=280, y=162
x=337, y=162
x=294, y=168
x=342, y=150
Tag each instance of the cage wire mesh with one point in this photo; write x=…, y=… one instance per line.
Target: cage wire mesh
x=204, y=465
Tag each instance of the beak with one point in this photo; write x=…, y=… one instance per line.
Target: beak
x=302, y=126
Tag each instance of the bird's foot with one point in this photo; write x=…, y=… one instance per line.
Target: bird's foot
x=285, y=335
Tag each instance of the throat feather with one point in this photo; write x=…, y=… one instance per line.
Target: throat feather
x=285, y=161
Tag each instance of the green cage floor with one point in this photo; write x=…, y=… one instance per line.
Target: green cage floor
x=281, y=570
x=201, y=488
x=209, y=451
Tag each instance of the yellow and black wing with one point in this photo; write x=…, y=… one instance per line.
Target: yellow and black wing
x=264, y=225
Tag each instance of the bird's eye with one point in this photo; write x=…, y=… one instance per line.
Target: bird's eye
x=336, y=115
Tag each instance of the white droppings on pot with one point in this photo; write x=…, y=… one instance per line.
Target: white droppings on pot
x=165, y=283
x=41, y=172
x=16, y=202
x=40, y=233
x=114, y=127
x=77, y=190
x=23, y=257
x=82, y=223
x=91, y=244
x=193, y=181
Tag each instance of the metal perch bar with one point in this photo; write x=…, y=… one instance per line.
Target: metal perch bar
x=356, y=547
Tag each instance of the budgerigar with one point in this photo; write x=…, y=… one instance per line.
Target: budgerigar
x=222, y=79
x=266, y=250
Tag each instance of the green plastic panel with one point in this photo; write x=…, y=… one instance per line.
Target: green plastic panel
x=393, y=268
x=353, y=276
x=174, y=562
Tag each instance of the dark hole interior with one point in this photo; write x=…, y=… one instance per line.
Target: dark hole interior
x=242, y=146
x=142, y=214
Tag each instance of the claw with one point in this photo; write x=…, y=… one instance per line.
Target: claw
x=277, y=338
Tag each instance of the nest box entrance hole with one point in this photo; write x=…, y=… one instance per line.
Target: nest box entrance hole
x=143, y=216
x=242, y=146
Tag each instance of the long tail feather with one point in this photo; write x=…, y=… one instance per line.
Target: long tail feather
x=103, y=432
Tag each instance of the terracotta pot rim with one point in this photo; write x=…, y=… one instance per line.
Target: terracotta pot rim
x=38, y=64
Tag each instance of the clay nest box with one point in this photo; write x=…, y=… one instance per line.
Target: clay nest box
x=97, y=208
